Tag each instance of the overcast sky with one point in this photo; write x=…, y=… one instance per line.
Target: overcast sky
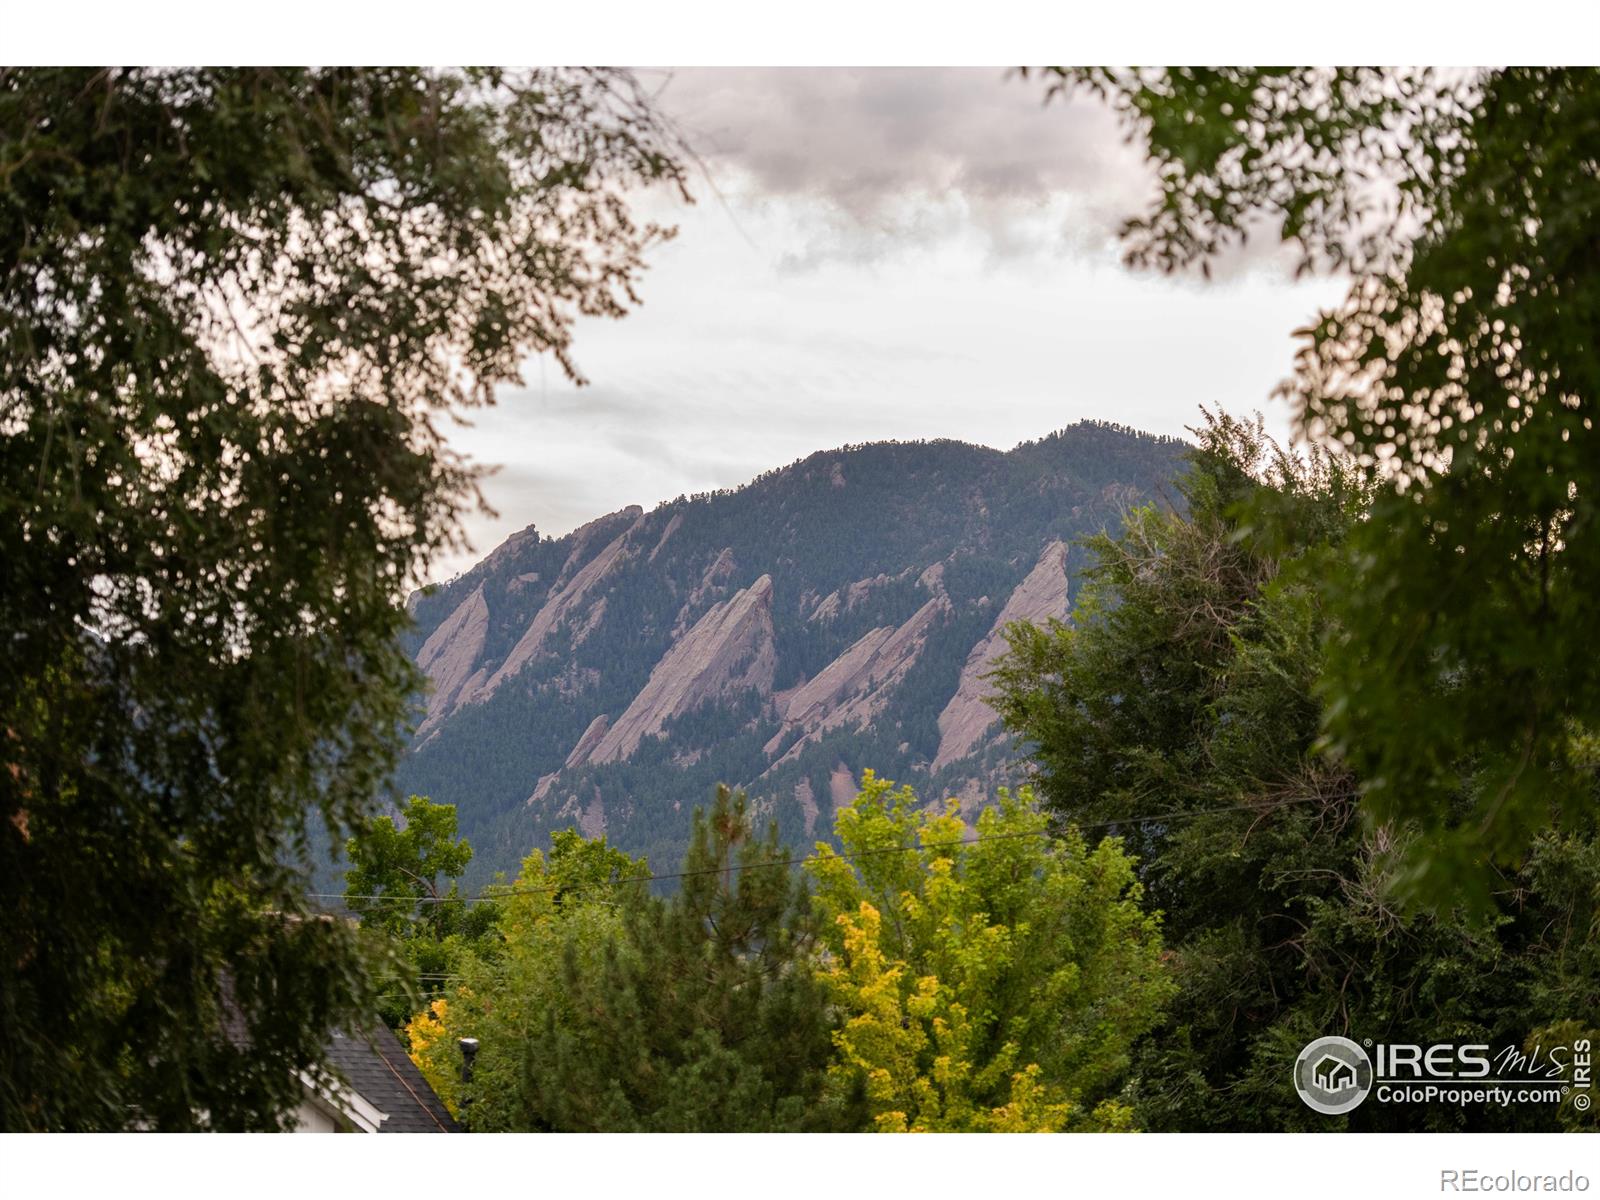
x=907, y=253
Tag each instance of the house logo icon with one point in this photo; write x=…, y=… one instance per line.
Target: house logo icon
x=1333, y=1075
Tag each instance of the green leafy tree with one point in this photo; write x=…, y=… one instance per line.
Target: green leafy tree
x=988, y=980
x=1461, y=372
x=233, y=306
x=395, y=884
x=1181, y=707
x=612, y=1009
x=396, y=868
x=562, y=909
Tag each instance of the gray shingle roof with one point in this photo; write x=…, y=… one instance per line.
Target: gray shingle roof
x=375, y=1065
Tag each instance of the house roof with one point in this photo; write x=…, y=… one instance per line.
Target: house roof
x=374, y=1065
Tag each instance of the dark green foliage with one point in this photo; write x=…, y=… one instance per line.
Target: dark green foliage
x=1461, y=372
x=1188, y=685
x=393, y=882
x=702, y=1014
x=394, y=886
x=232, y=303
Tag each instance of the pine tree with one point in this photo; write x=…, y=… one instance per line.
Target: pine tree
x=701, y=1014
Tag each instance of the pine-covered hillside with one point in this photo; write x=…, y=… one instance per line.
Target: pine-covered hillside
x=834, y=615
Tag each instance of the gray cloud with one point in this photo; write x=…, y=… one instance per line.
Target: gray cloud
x=907, y=156
x=884, y=161
x=859, y=136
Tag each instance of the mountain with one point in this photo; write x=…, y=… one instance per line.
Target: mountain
x=834, y=615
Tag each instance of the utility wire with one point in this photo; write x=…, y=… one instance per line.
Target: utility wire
x=519, y=890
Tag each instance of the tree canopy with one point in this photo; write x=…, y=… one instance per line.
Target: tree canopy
x=396, y=866
x=233, y=304
x=939, y=978
x=396, y=886
x=612, y=1009
x=1181, y=707
x=1460, y=373
x=987, y=979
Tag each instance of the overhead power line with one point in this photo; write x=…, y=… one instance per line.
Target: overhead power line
x=518, y=889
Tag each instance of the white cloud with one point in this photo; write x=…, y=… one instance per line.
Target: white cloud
x=904, y=254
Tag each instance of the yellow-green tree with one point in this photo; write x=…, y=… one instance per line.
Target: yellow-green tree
x=561, y=913
x=989, y=979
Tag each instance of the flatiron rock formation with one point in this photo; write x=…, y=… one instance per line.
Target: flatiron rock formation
x=838, y=614
x=450, y=656
x=729, y=650
x=1039, y=598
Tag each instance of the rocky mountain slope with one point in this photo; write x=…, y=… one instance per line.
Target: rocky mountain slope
x=837, y=614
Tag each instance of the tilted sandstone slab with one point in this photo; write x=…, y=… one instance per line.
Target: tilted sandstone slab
x=584, y=537
x=588, y=812
x=590, y=739
x=592, y=818
x=846, y=598
x=858, y=685
x=672, y=528
x=565, y=599
x=450, y=655
x=841, y=786
x=968, y=715
x=713, y=583
x=845, y=674
x=542, y=788
x=728, y=650
x=807, y=800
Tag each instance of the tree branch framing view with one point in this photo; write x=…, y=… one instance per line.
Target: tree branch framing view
x=1244, y=764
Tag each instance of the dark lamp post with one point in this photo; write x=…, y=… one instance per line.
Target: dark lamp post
x=469, y=1052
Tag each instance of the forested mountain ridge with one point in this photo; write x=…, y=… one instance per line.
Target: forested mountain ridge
x=830, y=616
